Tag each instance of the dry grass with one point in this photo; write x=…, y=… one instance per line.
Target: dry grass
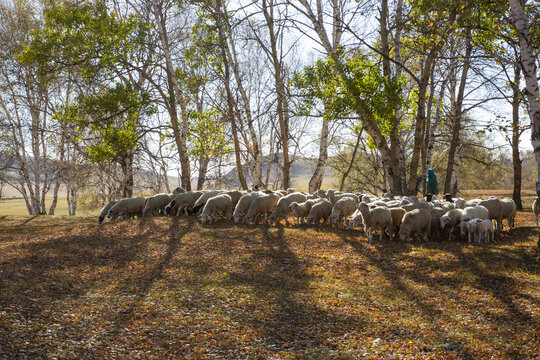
x=171, y=288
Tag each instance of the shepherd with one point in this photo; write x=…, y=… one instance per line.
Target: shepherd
x=431, y=188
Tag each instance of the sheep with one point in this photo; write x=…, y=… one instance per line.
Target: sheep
x=417, y=221
x=436, y=214
x=472, y=202
x=178, y=190
x=105, y=210
x=469, y=228
x=335, y=197
x=199, y=204
x=216, y=204
x=291, y=190
x=472, y=212
x=417, y=205
x=483, y=229
x=459, y=204
x=509, y=212
x=452, y=219
x=445, y=205
x=282, y=210
x=536, y=209
x=376, y=218
x=321, y=193
x=356, y=220
x=282, y=192
x=261, y=206
x=320, y=210
x=127, y=207
x=495, y=209
x=235, y=196
x=243, y=204
x=342, y=209
x=397, y=214
x=182, y=202
x=301, y=211
x=156, y=204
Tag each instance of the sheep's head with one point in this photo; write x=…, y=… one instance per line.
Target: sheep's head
x=110, y=213
x=463, y=228
x=293, y=206
x=404, y=234
x=169, y=207
x=273, y=218
x=237, y=218
x=364, y=208
x=204, y=218
x=101, y=217
x=179, y=190
x=444, y=220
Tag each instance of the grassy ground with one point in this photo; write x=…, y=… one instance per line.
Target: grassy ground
x=17, y=207
x=171, y=288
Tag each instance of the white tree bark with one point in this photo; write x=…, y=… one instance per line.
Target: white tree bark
x=520, y=22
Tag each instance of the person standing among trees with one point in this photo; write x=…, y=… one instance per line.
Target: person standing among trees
x=431, y=188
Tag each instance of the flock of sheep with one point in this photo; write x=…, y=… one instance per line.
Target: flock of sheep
x=405, y=217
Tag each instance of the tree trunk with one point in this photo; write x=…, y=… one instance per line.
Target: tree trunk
x=180, y=137
x=282, y=102
x=528, y=64
x=218, y=14
x=126, y=162
x=456, y=114
x=316, y=179
x=346, y=173
x=516, y=132
x=59, y=178
x=203, y=168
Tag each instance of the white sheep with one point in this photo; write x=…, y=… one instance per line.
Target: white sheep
x=484, y=229
x=356, y=220
x=436, y=214
x=495, y=209
x=417, y=222
x=336, y=196
x=301, y=211
x=182, y=202
x=536, y=209
x=469, y=228
x=243, y=204
x=397, y=214
x=215, y=205
x=291, y=190
x=321, y=193
x=261, y=206
x=452, y=220
x=199, y=204
x=342, y=209
x=179, y=190
x=472, y=212
x=459, y=203
x=235, y=196
x=105, y=210
x=509, y=212
x=282, y=210
x=127, y=207
x=378, y=218
x=320, y=210
x=156, y=204
x=419, y=204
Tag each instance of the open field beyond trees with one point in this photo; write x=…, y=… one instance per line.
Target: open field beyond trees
x=172, y=288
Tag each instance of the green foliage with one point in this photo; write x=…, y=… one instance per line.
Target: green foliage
x=375, y=93
x=112, y=116
x=207, y=135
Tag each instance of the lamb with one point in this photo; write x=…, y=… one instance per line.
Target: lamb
x=321, y=210
x=459, y=204
x=216, y=204
x=484, y=228
x=376, y=218
x=105, y=210
x=356, y=220
x=469, y=228
x=495, y=209
x=178, y=190
x=243, y=204
x=342, y=209
x=182, y=202
x=282, y=210
x=417, y=222
x=335, y=197
x=261, y=206
x=156, y=204
x=509, y=212
x=199, y=204
x=127, y=207
x=418, y=205
x=451, y=219
x=536, y=209
x=397, y=214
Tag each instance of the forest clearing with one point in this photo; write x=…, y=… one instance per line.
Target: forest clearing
x=173, y=288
